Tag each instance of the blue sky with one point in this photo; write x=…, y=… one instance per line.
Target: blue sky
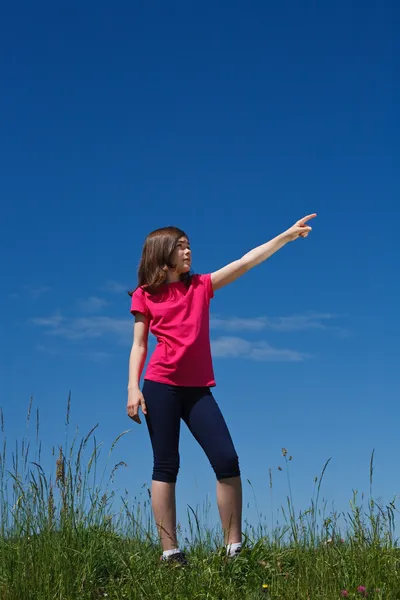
x=230, y=120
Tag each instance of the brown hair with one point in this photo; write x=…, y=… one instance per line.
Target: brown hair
x=156, y=258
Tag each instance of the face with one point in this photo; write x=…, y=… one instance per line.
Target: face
x=182, y=256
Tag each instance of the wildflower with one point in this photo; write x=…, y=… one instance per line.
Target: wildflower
x=362, y=590
x=265, y=586
x=263, y=563
x=284, y=451
x=344, y=593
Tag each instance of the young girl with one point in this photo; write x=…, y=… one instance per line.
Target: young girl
x=174, y=306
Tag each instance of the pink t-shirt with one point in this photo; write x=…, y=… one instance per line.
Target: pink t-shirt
x=180, y=320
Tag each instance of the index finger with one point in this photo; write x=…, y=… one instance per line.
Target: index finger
x=307, y=218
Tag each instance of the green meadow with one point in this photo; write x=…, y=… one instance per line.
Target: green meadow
x=66, y=535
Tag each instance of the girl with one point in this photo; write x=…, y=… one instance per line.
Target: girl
x=174, y=306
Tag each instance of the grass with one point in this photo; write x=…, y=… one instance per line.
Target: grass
x=65, y=536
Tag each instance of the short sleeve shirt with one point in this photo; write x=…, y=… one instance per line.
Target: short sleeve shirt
x=179, y=318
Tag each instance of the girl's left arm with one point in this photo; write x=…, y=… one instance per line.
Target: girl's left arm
x=258, y=255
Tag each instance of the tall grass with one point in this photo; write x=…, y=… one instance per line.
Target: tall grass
x=64, y=536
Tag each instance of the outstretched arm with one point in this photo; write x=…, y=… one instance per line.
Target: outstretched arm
x=258, y=255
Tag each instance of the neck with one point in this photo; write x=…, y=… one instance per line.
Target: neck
x=172, y=277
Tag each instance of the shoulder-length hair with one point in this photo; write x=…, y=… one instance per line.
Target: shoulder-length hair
x=157, y=258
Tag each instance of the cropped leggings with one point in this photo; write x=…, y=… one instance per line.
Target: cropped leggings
x=166, y=406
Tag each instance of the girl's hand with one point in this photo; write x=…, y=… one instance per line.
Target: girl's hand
x=300, y=229
x=135, y=399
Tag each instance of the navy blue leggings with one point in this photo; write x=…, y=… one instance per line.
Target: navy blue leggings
x=166, y=406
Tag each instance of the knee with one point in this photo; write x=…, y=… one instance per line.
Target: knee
x=227, y=466
x=166, y=470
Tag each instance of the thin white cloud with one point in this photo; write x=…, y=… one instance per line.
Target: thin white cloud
x=53, y=322
x=115, y=287
x=97, y=326
x=92, y=304
x=301, y=322
x=263, y=351
x=321, y=321
x=85, y=327
x=235, y=347
x=238, y=324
